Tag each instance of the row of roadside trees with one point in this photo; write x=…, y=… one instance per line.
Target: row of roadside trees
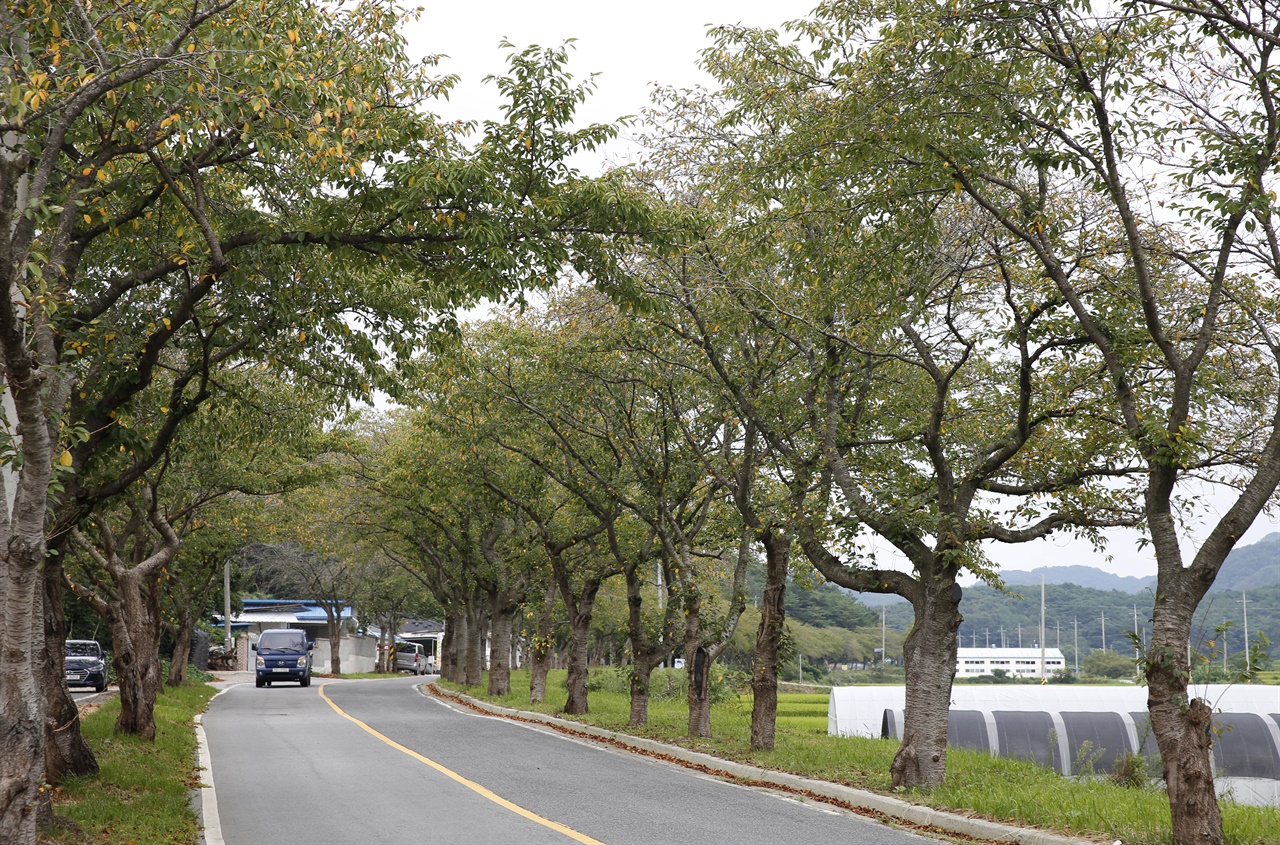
x=950, y=275
x=218, y=224
x=937, y=275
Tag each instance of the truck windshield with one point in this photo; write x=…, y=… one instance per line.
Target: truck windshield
x=283, y=641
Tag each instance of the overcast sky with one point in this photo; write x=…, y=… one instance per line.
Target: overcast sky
x=633, y=47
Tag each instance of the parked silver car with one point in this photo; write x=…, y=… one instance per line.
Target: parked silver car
x=412, y=657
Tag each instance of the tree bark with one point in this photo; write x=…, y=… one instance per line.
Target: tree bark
x=502, y=615
x=474, y=665
x=22, y=717
x=541, y=647
x=1182, y=726
x=454, y=647
x=66, y=752
x=181, y=655
x=646, y=652
x=135, y=633
x=697, y=665
x=579, y=629
x=579, y=635
x=335, y=639
x=764, y=663
x=929, y=655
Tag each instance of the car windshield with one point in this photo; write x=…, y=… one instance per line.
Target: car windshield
x=283, y=641
x=81, y=649
x=406, y=648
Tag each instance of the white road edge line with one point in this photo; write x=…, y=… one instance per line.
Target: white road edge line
x=212, y=826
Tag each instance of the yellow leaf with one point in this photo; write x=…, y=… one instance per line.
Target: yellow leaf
x=88, y=219
x=65, y=460
x=167, y=324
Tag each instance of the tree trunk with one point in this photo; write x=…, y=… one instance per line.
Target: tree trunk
x=641, y=682
x=135, y=636
x=929, y=656
x=22, y=717
x=65, y=753
x=647, y=652
x=454, y=647
x=181, y=650
x=1183, y=727
x=503, y=615
x=697, y=665
x=764, y=663
x=579, y=636
x=335, y=641
x=579, y=629
x=540, y=648
x=380, y=664
x=474, y=666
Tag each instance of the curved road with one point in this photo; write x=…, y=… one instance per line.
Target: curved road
x=378, y=762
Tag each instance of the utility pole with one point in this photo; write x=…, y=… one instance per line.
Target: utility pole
x=1075, y=623
x=1244, y=606
x=1104, y=630
x=1057, y=627
x=226, y=602
x=988, y=638
x=1003, y=644
x=1019, y=635
x=1137, y=637
x=883, y=647
x=1043, y=674
x=975, y=637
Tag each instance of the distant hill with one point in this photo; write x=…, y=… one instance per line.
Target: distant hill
x=1251, y=567
x=1247, y=568
x=1081, y=576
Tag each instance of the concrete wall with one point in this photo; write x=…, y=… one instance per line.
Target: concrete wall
x=359, y=654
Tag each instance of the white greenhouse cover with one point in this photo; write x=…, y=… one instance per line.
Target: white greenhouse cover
x=859, y=711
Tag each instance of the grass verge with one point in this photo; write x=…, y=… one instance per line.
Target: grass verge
x=1011, y=791
x=140, y=795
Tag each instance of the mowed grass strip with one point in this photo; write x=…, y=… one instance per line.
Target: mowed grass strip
x=1012, y=791
x=141, y=792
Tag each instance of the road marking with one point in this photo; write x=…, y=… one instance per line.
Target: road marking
x=469, y=784
x=208, y=797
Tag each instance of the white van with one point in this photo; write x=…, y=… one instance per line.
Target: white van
x=412, y=657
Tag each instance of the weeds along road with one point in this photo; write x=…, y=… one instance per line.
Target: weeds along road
x=377, y=762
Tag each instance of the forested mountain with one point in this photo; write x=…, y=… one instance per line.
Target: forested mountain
x=821, y=605
x=1074, y=613
x=1253, y=566
x=1247, y=568
x=1081, y=576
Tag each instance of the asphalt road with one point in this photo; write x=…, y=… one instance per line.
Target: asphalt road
x=288, y=767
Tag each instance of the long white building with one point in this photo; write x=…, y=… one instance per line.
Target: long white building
x=1016, y=662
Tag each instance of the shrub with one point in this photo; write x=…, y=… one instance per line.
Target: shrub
x=1131, y=771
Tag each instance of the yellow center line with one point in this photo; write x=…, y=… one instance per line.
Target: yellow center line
x=469, y=784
